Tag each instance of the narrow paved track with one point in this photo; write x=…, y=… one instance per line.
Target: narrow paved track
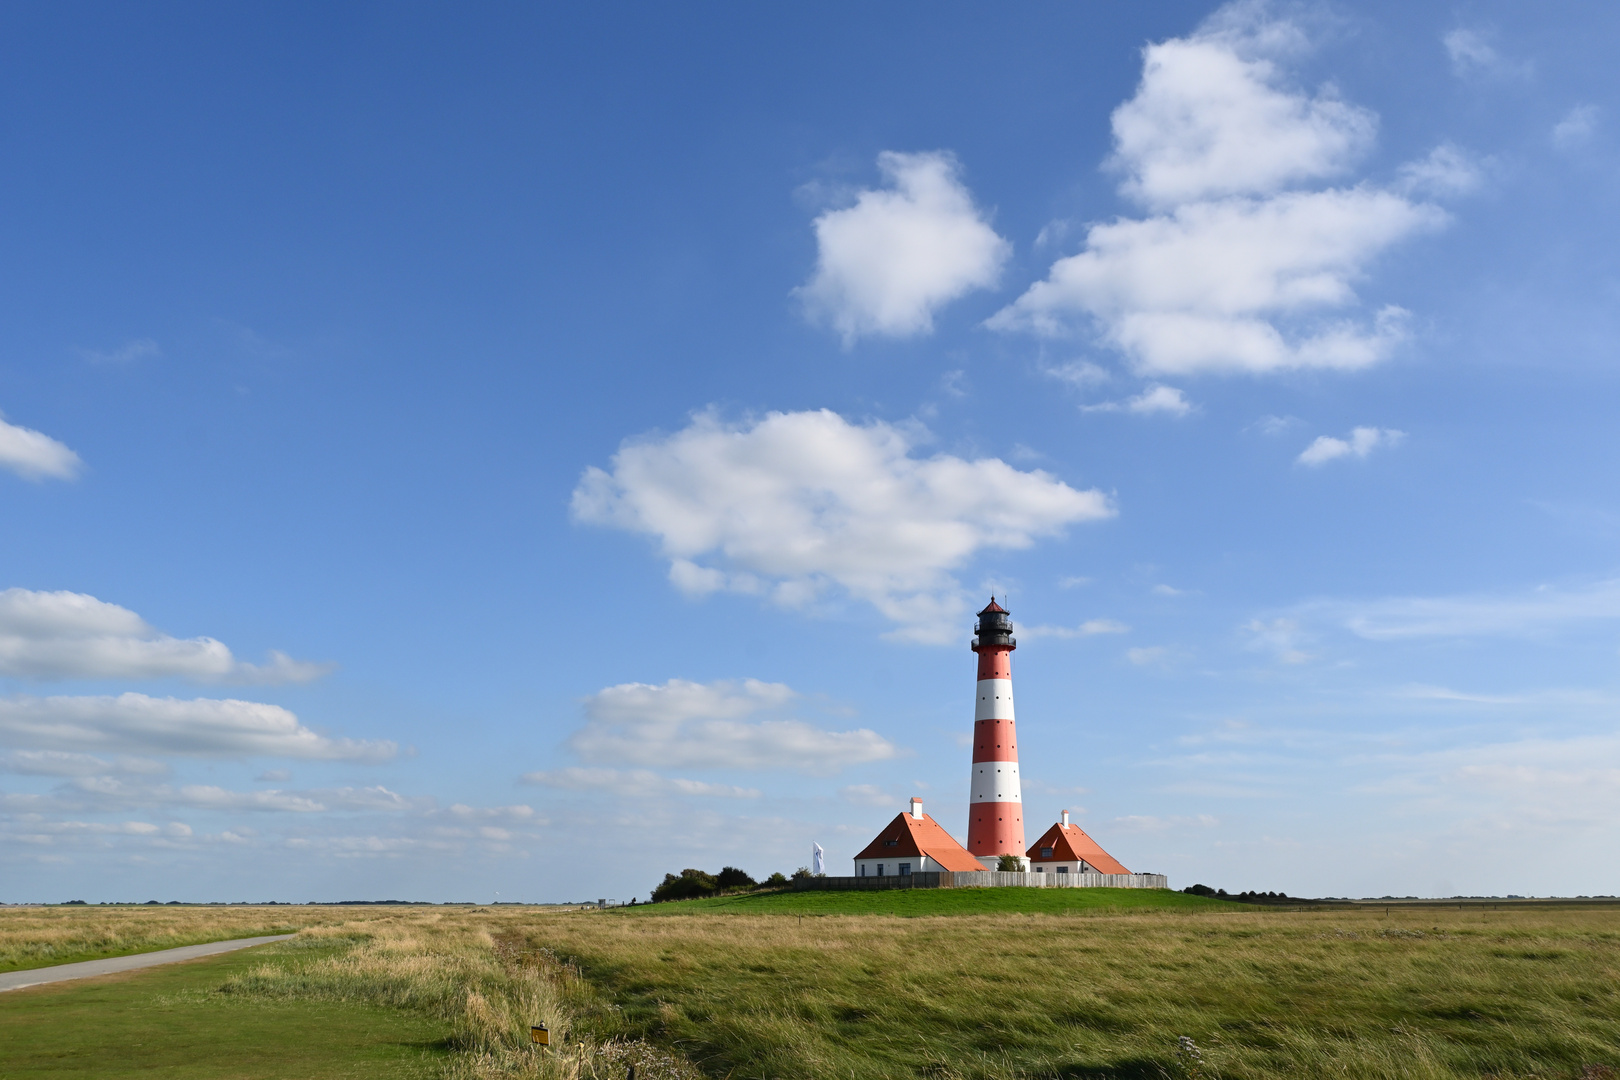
x=16, y=980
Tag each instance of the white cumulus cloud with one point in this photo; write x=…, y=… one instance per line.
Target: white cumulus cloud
x=33, y=455
x=1235, y=268
x=796, y=502
x=139, y=724
x=1362, y=441
x=1213, y=116
x=887, y=263
x=53, y=635
x=718, y=725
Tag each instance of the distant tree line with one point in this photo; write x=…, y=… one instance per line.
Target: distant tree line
x=691, y=884
x=1242, y=897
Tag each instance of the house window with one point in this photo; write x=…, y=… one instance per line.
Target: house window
x=891, y=843
x=1040, y=869
x=862, y=869
x=905, y=869
x=880, y=870
x=1063, y=869
x=1046, y=853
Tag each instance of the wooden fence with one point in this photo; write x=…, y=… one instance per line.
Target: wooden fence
x=980, y=879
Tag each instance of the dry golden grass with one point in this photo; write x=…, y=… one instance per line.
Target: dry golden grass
x=33, y=937
x=1420, y=993
x=472, y=970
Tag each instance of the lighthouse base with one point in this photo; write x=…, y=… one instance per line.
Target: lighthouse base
x=993, y=862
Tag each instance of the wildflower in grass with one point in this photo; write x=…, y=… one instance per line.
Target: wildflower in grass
x=1189, y=1057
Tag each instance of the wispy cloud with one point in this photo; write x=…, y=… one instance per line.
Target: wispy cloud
x=1362, y=441
x=1167, y=823
x=869, y=795
x=1447, y=171
x=1275, y=425
x=1281, y=637
x=1079, y=373
x=1480, y=615
x=1089, y=628
x=719, y=725
x=1155, y=399
x=1576, y=128
x=634, y=783
x=65, y=763
x=127, y=353
x=1473, y=55
x=202, y=727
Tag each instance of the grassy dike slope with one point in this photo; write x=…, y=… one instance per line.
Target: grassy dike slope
x=1105, y=992
x=917, y=903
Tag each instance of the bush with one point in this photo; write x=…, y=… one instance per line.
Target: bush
x=777, y=878
x=1010, y=864
x=802, y=873
x=732, y=878
x=688, y=886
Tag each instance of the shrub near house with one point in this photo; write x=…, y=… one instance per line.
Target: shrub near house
x=691, y=884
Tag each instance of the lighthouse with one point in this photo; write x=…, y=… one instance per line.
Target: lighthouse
x=996, y=802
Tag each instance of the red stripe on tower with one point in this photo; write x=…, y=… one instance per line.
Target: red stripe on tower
x=996, y=801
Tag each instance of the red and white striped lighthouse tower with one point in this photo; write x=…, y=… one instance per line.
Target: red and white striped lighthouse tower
x=996, y=805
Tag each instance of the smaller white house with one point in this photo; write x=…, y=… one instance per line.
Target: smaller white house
x=1066, y=849
x=913, y=843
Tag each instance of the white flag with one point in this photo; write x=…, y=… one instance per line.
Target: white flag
x=815, y=859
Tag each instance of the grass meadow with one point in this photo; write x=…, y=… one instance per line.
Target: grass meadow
x=978, y=987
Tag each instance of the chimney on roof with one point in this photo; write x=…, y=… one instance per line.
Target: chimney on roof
x=916, y=808
x=1065, y=819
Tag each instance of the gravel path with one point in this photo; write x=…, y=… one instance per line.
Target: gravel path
x=16, y=980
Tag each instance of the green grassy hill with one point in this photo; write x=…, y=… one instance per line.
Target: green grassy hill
x=925, y=902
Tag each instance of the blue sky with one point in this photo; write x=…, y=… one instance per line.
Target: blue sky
x=526, y=451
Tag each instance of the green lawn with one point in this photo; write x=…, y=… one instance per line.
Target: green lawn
x=918, y=903
x=173, y=1022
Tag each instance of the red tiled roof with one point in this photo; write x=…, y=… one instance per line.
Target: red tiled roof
x=916, y=837
x=993, y=607
x=1069, y=843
